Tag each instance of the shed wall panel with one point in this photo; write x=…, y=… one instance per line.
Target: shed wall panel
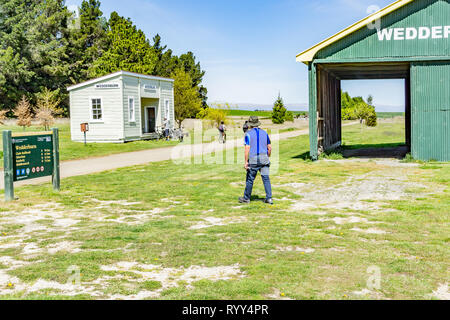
x=131, y=89
x=430, y=110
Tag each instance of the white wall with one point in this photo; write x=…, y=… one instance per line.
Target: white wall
x=111, y=129
x=131, y=89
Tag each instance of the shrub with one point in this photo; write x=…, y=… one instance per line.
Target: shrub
x=289, y=116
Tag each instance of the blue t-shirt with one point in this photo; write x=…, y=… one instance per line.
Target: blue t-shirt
x=258, y=140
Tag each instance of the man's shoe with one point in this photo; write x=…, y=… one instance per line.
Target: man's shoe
x=243, y=200
x=268, y=201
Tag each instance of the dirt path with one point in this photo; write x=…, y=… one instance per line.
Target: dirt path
x=128, y=159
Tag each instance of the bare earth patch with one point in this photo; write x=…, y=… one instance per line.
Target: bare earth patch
x=442, y=293
x=294, y=249
x=209, y=222
x=369, y=231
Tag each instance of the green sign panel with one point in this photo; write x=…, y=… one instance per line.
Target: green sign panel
x=32, y=156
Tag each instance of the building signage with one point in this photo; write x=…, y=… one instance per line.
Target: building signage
x=107, y=86
x=149, y=87
x=421, y=33
x=28, y=156
x=32, y=157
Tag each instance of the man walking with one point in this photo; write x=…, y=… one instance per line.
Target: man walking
x=258, y=150
x=245, y=127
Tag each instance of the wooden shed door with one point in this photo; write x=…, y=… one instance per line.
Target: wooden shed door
x=151, y=118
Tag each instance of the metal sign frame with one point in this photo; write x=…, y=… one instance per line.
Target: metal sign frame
x=49, y=156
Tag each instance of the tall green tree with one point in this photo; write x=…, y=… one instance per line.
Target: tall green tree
x=190, y=65
x=187, y=102
x=88, y=39
x=128, y=50
x=33, y=47
x=167, y=63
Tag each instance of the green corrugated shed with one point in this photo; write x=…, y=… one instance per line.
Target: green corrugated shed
x=409, y=39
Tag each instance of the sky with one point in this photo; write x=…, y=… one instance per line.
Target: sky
x=248, y=48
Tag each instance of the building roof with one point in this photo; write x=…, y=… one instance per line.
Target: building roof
x=115, y=74
x=308, y=55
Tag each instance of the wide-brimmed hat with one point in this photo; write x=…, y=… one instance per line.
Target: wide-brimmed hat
x=254, y=121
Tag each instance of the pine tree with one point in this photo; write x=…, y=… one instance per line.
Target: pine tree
x=48, y=106
x=279, y=111
x=128, y=50
x=167, y=62
x=89, y=41
x=190, y=65
x=34, y=47
x=23, y=112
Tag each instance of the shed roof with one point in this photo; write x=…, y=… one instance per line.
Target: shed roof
x=308, y=55
x=115, y=74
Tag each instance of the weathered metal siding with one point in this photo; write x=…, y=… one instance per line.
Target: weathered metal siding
x=365, y=43
x=430, y=110
x=313, y=133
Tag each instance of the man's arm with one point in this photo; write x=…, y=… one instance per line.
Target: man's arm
x=269, y=150
x=247, y=154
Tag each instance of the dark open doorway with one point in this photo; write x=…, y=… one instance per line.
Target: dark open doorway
x=330, y=134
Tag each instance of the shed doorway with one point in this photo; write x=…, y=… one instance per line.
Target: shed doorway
x=330, y=80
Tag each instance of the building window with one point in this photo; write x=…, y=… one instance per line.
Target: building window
x=167, y=110
x=96, y=109
x=131, y=110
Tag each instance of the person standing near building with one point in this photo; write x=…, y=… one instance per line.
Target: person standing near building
x=258, y=149
x=166, y=129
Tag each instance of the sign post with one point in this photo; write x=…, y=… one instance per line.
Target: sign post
x=8, y=165
x=84, y=129
x=29, y=156
x=56, y=180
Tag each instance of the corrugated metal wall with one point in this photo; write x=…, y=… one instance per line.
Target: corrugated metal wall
x=429, y=79
x=365, y=43
x=430, y=110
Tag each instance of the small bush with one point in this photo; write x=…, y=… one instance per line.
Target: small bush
x=289, y=116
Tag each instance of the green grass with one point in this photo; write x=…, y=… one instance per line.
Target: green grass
x=412, y=255
x=70, y=150
x=385, y=134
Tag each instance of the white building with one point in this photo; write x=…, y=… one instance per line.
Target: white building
x=121, y=107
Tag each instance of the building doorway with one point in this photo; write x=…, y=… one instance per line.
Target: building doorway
x=328, y=122
x=150, y=120
x=388, y=139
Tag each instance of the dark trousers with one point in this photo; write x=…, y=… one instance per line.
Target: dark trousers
x=252, y=172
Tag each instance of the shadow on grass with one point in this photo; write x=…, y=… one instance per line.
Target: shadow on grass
x=376, y=151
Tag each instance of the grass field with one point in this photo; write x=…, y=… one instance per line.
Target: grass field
x=262, y=114
x=166, y=231
x=267, y=114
